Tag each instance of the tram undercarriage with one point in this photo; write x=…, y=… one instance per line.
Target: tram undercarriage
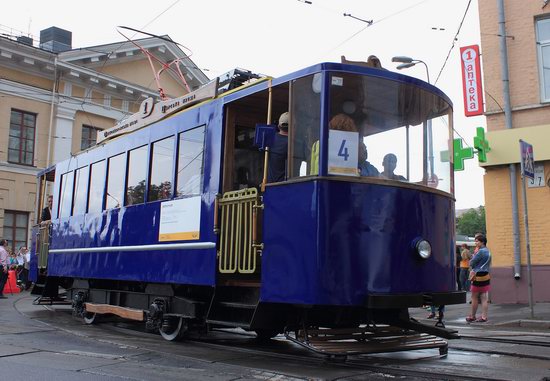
x=179, y=312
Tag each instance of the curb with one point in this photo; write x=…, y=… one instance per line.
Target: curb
x=544, y=324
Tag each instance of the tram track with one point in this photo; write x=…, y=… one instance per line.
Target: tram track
x=355, y=362
x=282, y=351
x=532, y=343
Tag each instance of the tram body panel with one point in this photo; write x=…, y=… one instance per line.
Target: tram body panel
x=118, y=227
x=334, y=243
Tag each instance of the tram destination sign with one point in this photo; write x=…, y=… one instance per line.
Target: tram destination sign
x=149, y=112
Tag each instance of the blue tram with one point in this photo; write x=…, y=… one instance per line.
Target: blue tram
x=170, y=219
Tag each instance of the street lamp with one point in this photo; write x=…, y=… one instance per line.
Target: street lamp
x=407, y=62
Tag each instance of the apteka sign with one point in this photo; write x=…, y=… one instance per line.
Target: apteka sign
x=471, y=80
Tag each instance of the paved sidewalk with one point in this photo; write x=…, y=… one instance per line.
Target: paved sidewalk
x=500, y=315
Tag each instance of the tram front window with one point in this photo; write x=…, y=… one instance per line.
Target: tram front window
x=388, y=129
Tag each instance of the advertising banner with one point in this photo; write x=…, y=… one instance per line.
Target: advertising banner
x=471, y=80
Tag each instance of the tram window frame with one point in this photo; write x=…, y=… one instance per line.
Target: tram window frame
x=64, y=211
x=101, y=186
x=179, y=157
x=151, y=196
x=77, y=208
x=139, y=170
x=305, y=106
x=122, y=182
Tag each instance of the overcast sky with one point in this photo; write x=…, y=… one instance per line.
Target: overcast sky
x=276, y=37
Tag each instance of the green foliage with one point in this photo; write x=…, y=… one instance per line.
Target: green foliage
x=471, y=222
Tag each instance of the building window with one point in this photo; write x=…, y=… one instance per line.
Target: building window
x=21, y=142
x=89, y=137
x=137, y=170
x=16, y=225
x=543, y=47
x=160, y=180
x=190, y=162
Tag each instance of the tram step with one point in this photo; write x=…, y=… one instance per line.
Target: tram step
x=237, y=305
x=37, y=289
x=244, y=325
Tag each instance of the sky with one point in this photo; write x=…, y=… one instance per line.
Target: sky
x=277, y=37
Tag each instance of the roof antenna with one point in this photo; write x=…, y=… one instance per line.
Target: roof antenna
x=165, y=65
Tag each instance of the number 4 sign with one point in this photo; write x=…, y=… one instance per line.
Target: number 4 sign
x=343, y=153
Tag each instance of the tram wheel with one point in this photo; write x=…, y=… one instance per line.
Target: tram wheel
x=266, y=334
x=173, y=328
x=90, y=317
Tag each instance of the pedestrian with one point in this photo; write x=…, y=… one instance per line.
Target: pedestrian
x=481, y=280
x=465, y=256
x=4, y=263
x=23, y=270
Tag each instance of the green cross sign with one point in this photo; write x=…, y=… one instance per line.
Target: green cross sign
x=461, y=154
x=482, y=145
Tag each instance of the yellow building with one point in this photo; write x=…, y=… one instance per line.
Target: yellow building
x=527, y=37
x=54, y=99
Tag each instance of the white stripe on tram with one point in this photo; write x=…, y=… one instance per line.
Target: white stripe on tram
x=167, y=246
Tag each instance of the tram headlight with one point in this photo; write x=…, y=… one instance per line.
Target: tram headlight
x=423, y=248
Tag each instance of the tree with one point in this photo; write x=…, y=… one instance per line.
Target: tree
x=471, y=222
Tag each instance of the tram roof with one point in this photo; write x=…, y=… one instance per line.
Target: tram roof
x=331, y=66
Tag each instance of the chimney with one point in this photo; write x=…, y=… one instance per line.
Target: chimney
x=55, y=39
x=25, y=40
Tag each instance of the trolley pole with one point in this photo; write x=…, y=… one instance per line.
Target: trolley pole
x=527, y=170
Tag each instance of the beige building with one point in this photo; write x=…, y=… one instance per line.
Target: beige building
x=528, y=48
x=54, y=99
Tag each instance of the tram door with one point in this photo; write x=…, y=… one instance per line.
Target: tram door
x=240, y=209
x=41, y=231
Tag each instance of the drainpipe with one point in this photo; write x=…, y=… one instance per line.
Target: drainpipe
x=52, y=105
x=508, y=124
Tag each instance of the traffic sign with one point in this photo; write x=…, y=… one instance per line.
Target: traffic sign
x=527, y=159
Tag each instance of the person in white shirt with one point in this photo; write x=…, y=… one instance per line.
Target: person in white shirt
x=4, y=264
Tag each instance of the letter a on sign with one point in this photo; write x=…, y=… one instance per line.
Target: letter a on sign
x=471, y=80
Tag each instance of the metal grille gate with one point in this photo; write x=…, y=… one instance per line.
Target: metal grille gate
x=239, y=249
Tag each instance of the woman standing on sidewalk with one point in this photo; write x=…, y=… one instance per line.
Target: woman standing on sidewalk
x=481, y=280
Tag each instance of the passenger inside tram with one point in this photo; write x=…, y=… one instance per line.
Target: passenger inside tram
x=390, y=163
x=365, y=167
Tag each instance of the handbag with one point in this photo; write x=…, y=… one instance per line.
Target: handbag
x=472, y=275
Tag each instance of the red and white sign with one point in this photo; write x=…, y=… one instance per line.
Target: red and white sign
x=471, y=80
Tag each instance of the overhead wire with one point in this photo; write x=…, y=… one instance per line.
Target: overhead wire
x=455, y=39
x=376, y=22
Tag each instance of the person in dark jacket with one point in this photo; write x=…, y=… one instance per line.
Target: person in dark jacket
x=47, y=211
x=278, y=152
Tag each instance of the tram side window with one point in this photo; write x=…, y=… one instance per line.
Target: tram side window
x=115, y=182
x=305, y=124
x=137, y=170
x=80, y=190
x=190, y=162
x=97, y=184
x=66, y=197
x=160, y=180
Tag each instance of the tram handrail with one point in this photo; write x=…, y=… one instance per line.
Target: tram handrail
x=43, y=245
x=238, y=248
